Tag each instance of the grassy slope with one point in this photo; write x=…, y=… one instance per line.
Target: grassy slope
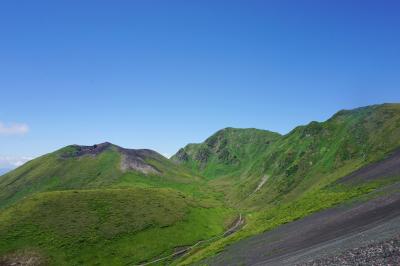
x=229, y=151
x=303, y=166
x=310, y=157
x=274, y=215
x=108, y=226
x=55, y=171
x=85, y=210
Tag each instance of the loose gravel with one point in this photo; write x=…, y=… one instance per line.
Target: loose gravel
x=382, y=253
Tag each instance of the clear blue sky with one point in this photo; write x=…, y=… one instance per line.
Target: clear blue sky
x=161, y=74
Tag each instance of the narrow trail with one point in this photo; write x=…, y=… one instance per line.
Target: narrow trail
x=231, y=230
x=259, y=186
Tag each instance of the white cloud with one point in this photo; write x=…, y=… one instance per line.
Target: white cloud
x=13, y=161
x=13, y=129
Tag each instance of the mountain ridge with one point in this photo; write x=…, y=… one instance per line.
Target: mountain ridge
x=265, y=178
x=358, y=136
x=95, y=166
x=230, y=147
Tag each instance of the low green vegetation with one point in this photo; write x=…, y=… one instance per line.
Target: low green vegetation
x=319, y=153
x=109, y=226
x=63, y=170
x=230, y=151
x=302, y=168
x=308, y=156
x=278, y=214
x=105, y=205
x=79, y=206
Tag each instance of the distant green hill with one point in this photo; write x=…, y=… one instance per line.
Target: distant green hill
x=86, y=167
x=105, y=205
x=315, y=155
x=261, y=167
x=229, y=151
x=299, y=173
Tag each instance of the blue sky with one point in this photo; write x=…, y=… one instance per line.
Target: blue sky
x=160, y=74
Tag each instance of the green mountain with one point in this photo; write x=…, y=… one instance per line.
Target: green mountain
x=106, y=205
x=271, y=167
x=86, y=167
x=345, y=142
x=299, y=173
x=229, y=151
x=314, y=155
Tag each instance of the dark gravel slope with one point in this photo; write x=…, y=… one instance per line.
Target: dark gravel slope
x=378, y=254
x=389, y=167
x=328, y=232
x=306, y=239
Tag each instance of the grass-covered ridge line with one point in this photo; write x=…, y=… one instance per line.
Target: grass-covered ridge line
x=69, y=205
x=309, y=154
x=314, y=155
x=303, y=166
x=227, y=152
x=129, y=206
x=64, y=169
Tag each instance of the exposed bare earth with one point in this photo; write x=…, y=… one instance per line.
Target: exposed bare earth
x=333, y=236
x=93, y=150
x=134, y=160
x=322, y=234
x=388, y=167
x=131, y=159
x=22, y=258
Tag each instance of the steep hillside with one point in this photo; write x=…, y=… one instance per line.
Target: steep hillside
x=116, y=206
x=97, y=166
x=4, y=170
x=104, y=205
x=310, y=157
x=229, y=151
x=372, y=214
x=326, y=233
x=312, y=168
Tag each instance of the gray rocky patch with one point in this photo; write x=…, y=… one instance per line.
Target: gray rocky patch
x=319, y=235
x=379, y=254
x=81, y=150
x=131, y=160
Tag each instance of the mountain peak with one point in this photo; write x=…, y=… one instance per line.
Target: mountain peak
x=229, y=149
x=81, y=150
x=131, y=159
